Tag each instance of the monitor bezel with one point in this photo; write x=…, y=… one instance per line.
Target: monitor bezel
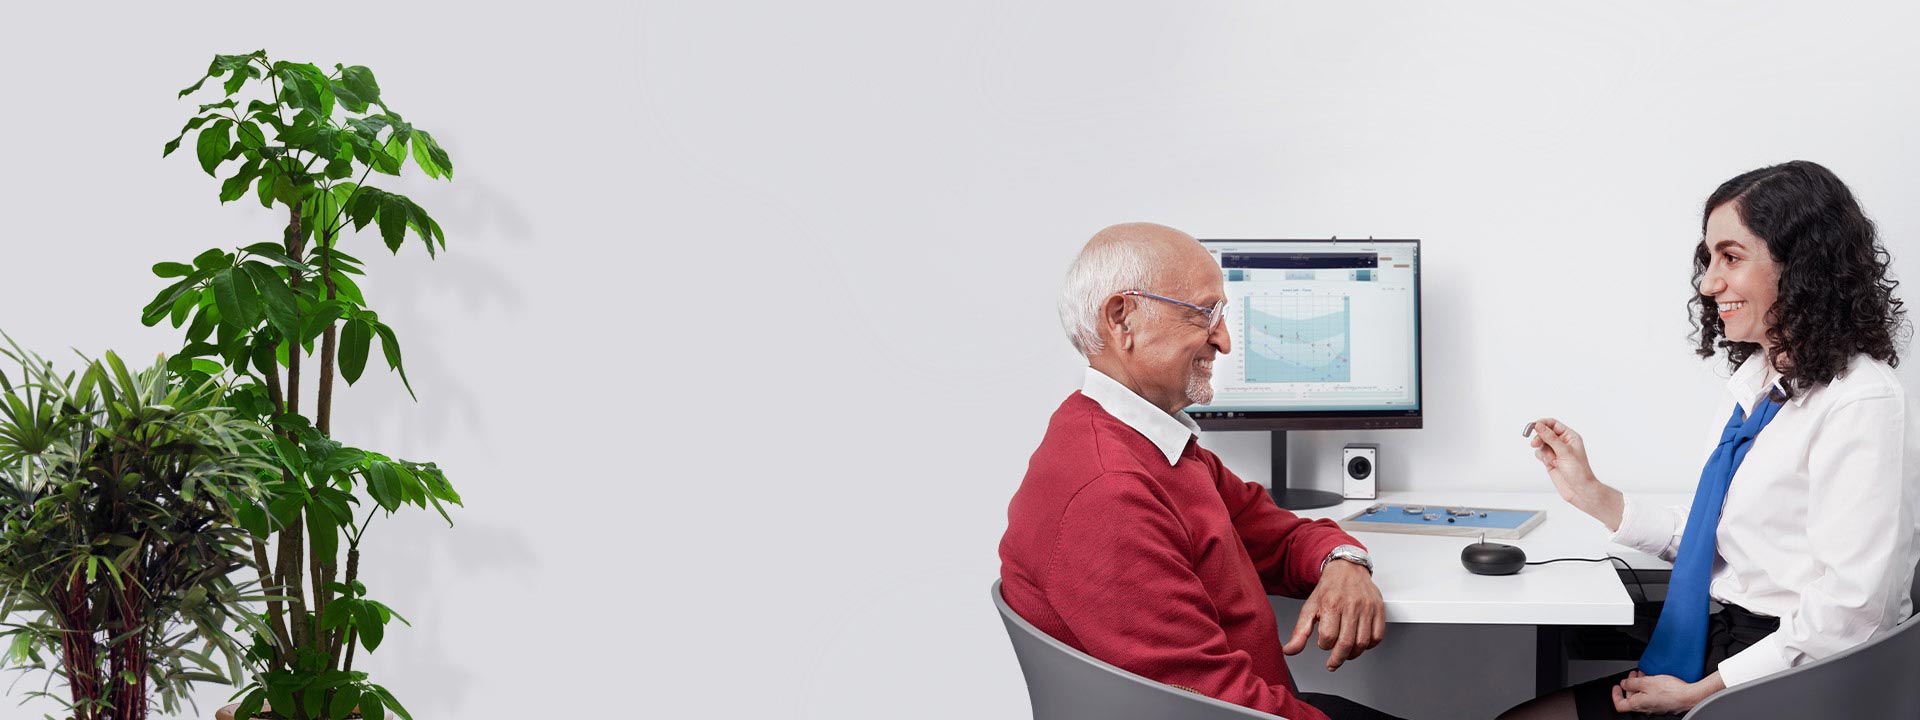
x=1335, y=419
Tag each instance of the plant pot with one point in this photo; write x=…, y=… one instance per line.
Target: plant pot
x=226, y=713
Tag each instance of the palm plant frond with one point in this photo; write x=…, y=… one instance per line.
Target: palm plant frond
x=118, y=492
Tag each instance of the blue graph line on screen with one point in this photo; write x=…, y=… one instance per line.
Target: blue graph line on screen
x=1295, y=338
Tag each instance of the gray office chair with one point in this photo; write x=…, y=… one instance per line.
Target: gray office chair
x=1872, y=680
x=1066, y=684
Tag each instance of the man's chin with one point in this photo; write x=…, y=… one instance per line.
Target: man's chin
x=1200, y=397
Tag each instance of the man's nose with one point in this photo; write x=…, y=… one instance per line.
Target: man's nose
x=1222, y=339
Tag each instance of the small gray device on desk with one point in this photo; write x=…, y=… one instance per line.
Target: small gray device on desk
x=1360, y=470
x=1457, y=521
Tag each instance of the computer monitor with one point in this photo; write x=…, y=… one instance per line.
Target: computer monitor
x=1326, y=336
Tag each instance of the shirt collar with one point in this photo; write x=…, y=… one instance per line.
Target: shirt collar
x=1753, y=380
x=1169, y=433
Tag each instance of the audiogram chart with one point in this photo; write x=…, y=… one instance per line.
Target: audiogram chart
x=1299, y=338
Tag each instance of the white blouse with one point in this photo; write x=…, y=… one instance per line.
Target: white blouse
x=1821, y=527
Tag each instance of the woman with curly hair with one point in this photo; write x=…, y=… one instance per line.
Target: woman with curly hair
x=1805, y=535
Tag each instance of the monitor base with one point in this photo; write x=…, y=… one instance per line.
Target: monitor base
x=1294, y=498
x=1305, y=499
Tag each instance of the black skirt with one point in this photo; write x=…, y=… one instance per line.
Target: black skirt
x=1729, y=631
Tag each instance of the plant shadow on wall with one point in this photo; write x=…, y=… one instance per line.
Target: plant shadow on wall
x=268, y=315
x=431, y=562
x=485, y=217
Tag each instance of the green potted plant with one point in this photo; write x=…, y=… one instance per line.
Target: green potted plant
x=118, y=499
x=305, y=141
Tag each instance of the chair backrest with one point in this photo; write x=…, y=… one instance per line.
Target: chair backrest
x=1872, y=680
x=1066, y=684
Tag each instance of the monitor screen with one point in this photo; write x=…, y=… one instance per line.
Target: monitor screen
x=1326, y=336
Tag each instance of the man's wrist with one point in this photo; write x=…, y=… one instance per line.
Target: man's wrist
x=1348, y=553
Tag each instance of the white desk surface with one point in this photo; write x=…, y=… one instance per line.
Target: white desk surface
x=1422, y=580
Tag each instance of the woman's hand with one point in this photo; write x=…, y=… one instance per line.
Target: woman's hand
x=1564, y=453
x=1662, y=694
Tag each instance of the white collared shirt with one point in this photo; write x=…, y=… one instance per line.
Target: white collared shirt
x=1821, y=526
x=1169, y=433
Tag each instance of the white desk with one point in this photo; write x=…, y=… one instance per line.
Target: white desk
x=1422, y=580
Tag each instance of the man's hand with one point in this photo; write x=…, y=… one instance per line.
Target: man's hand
x=1348, y=608
x=1662, y=694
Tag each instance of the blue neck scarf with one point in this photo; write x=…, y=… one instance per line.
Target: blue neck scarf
x=1679, y=644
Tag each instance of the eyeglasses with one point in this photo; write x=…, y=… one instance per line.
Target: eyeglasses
x=1214, y=314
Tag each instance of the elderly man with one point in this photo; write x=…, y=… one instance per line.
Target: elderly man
x=1129, y=541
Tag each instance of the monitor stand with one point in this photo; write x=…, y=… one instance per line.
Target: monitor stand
x=1295, y=498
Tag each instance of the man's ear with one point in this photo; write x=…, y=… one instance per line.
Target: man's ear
x=1116, y=317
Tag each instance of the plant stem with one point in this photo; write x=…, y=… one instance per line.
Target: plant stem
x=328, y=343
x=291, y=551
x=116, y=663
x=324, y=572
x=353, y=638
x=343, y=639
x=292, y=537
x=78, y=649
x=273, y=389
x=276, y=613
x=294, y=250
x=269, y=572
x=128, y=657
x=329, y=338
x=321, y=596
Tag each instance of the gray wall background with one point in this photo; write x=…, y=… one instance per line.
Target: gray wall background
x=745, y=331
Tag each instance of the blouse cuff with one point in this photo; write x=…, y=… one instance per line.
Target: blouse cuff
x=1644, y=527
x=1757, y=661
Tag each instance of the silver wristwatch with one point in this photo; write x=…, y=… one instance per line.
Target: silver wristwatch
x=1350, y=553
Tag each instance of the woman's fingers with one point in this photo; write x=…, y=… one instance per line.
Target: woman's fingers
x=1568, y=435
x=1556, y=441
x=1537, y=439
x=1541, y=450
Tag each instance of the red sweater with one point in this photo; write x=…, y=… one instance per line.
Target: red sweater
x=1163, y=571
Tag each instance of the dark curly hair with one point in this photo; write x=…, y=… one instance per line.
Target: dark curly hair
x=1835, y=299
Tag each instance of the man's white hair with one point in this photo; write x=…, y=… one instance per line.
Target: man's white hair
x=1101, y=270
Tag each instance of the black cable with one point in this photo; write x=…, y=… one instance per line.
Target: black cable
x=1630, y=570
x=1555, y=560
